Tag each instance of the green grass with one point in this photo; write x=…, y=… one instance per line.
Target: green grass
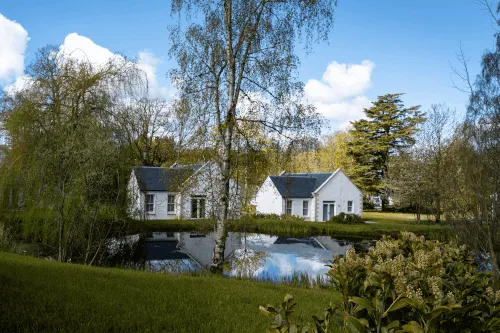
x=46, y=296
x=387, y=224
x=389, y=217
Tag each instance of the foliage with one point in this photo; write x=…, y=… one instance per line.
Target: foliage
x=332, y=153
x=387, y=224
x=409, y=285
x=273, y=216
x=418, y=177
x=65, y=169
x=474, y=208
x=389, y=130
x=344, y=218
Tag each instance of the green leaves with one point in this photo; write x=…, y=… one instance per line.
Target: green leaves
x=353, y=325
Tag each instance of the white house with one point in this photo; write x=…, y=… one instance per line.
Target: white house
x=314, y=196
x=182, y=191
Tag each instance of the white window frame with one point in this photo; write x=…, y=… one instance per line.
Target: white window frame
x=150, y=212
x=350, y=206
x=170, y=205
x=287, y=209
x=305, y=208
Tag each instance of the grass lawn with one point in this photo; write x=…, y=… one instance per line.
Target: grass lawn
x=387, y=223
x=45, y=296
x=399, y=218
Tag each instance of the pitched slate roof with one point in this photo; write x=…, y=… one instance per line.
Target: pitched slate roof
x=164, y=179
x=299, y=185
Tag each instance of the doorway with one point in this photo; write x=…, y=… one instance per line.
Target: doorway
x=328, y=210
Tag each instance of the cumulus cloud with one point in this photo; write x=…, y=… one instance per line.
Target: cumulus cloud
x=339, y=96
x=13, y=41
x=340, y=81
x=84, y=49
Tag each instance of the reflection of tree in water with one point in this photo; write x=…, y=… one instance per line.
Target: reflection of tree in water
x=245, y=262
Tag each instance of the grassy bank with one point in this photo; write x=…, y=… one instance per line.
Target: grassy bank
x=45, y=296
x=386, y=224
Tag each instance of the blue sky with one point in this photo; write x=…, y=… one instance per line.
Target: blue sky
x=376, y=47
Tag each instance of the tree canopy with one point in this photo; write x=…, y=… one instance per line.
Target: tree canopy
x=388, y=130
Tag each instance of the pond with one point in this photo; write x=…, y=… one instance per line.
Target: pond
x=256, y=256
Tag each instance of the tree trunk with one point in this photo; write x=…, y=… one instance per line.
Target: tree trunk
x=220, y=233
x=438, y=209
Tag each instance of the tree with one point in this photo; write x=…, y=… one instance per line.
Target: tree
x=409, y=182
x=389, y=130
x=418, y=177
x=331, y=154
x=237, y=65
x=474, y=211
x=435, y=138
x=65, y=168
x=144, y=123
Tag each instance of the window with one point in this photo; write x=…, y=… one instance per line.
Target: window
x=170, y=203
x=305, y=208
x=150, y=203
x=288, y=208
x=197, y=208
x=349, y=206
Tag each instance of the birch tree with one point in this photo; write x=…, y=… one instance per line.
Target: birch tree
x=235, y=51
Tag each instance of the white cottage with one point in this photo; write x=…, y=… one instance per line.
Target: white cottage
x=181, y=191
x=314, y=196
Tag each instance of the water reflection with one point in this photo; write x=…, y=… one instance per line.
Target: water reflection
x=257, y=256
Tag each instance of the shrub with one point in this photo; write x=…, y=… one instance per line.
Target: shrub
x=285, y=217
x=405, y=285
x=346, y=219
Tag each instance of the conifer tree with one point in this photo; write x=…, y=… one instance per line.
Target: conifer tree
x=388, y=130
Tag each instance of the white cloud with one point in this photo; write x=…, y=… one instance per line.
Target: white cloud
x=340, y=81
x=13, y=41
x=339, y=96
x=84, y=49
x=148, y=63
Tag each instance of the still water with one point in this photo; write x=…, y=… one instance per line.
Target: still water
x=257, y=256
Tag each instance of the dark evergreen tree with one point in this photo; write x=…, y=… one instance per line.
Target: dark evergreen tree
x=389, y=130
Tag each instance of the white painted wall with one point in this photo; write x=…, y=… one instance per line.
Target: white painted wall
x=268, y=200
x=341, y=189
x=201, y=249
x=135, y=205
x=137, y=202
x=205, y=183
x=297, y=207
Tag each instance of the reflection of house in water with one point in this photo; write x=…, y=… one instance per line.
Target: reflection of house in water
x=184, y=251
x=322, y=242
x=256, y=255
x=337, y=246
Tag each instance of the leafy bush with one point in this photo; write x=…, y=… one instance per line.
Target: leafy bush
x=346, y=219
x=285, y=217
x=405, y=285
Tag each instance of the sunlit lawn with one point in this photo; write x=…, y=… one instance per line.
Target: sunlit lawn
x=386, y=217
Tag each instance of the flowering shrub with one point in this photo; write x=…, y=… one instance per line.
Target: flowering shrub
x=405, y=285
